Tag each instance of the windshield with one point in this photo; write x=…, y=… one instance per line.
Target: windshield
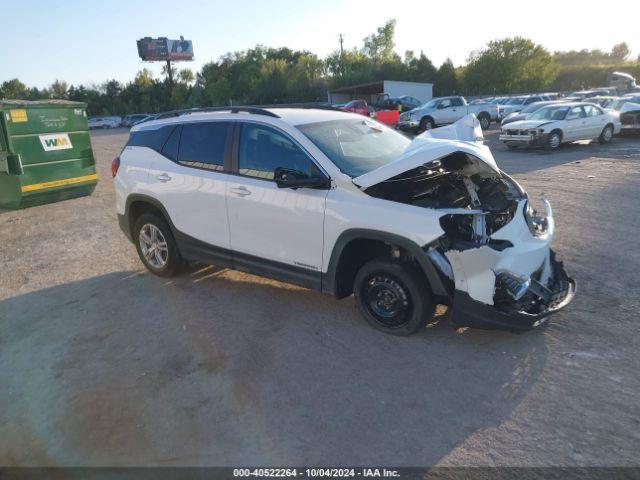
x=430, y=104
x=356, y=146
x=515, y=101
x=532, y=108
x=554, y=112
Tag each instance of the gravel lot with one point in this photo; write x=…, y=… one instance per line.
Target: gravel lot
x=102, y=363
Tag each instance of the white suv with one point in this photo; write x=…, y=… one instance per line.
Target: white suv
x=340, y=203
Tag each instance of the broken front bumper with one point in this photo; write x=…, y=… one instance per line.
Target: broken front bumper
x=468, y=312
x=514, y=282
x=523, y=139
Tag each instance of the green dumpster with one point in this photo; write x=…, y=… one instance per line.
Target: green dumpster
x=45, y=152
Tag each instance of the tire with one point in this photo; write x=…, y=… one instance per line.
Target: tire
x=164, y=262
x=485, y=121
x=554, y=140
x=427, y=123
x=606, y=135
x=511, y=146
x=393, y=297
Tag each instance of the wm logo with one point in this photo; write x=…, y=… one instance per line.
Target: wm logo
x=56, y=142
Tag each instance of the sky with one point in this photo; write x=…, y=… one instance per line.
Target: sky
x=88, y=42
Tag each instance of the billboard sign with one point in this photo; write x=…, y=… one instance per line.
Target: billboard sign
x=161, y=49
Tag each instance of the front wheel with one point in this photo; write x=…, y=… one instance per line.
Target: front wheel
x=553, y=140
x=393, y=297
x=427, y=124
x=485, y=121
x=606, y=135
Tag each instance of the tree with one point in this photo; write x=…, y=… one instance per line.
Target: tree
x=144, y=78
x=510, y=65
x=58, y=89
x=445, y=82
x=13, y=89
x=186, y=76
x=620, y=52
x=379, y=46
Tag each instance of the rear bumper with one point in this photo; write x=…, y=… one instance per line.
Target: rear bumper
x=123, y=221
x=468, y=312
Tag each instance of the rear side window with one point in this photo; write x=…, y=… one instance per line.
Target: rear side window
x=170, y=149
x=456, y=102
x=153, y=139
x=202, y=145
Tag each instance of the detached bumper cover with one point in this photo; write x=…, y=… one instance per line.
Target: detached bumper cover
x=468, y=312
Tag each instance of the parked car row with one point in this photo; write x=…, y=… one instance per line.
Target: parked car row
x=116, y=121
x=560, y=122
x=444, y=111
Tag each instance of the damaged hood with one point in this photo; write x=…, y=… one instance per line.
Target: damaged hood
x=527, y=124
x=630, y=107
x=435, y=144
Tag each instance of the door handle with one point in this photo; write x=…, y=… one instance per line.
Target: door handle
x=241, y=191
x=163, y=177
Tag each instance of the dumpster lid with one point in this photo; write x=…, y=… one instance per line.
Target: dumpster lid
x=42, y=103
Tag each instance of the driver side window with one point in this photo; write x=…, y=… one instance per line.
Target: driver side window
x=263, y=149
x=446, y=103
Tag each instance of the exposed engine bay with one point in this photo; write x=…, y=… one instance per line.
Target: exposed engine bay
x=494, y=254
x=484, y=200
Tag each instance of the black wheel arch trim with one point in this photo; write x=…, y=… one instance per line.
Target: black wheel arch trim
x=193, y=249
x=329, y=279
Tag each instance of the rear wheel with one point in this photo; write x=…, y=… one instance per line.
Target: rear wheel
x=427, y=123
x=393, y=297
x=606, y=135
x=156, y=246
x=554, y=139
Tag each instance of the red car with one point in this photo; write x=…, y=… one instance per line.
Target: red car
x=357, y=106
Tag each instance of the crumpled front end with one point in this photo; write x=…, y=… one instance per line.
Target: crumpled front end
x=494, y=252
x=514, y=280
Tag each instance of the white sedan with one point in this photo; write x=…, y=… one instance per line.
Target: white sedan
x=103, y=122
x=551, y=126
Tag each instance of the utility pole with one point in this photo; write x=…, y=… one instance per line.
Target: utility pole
x=341, y=46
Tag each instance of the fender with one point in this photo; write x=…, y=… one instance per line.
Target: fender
x=125, y=220
x=329, y=278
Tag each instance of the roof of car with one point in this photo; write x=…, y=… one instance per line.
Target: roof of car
x=292, y=116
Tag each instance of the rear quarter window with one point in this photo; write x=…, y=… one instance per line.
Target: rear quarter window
x=152, y=138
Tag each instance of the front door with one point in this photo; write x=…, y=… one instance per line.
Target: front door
x=577, y=128
x=276, y=228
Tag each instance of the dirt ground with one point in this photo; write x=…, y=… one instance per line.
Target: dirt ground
x=102, y=363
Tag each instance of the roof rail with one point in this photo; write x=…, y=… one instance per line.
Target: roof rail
x=319, y=106
x=255, y=110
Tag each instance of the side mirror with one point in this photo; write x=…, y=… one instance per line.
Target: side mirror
x=289, y=178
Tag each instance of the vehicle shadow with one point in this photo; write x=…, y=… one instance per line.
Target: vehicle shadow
x=217, y=367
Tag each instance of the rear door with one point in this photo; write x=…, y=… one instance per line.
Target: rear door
x=188, y=177
x=276, y=228
x=596, y=120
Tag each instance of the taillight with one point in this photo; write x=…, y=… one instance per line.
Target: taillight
x=115, y=165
